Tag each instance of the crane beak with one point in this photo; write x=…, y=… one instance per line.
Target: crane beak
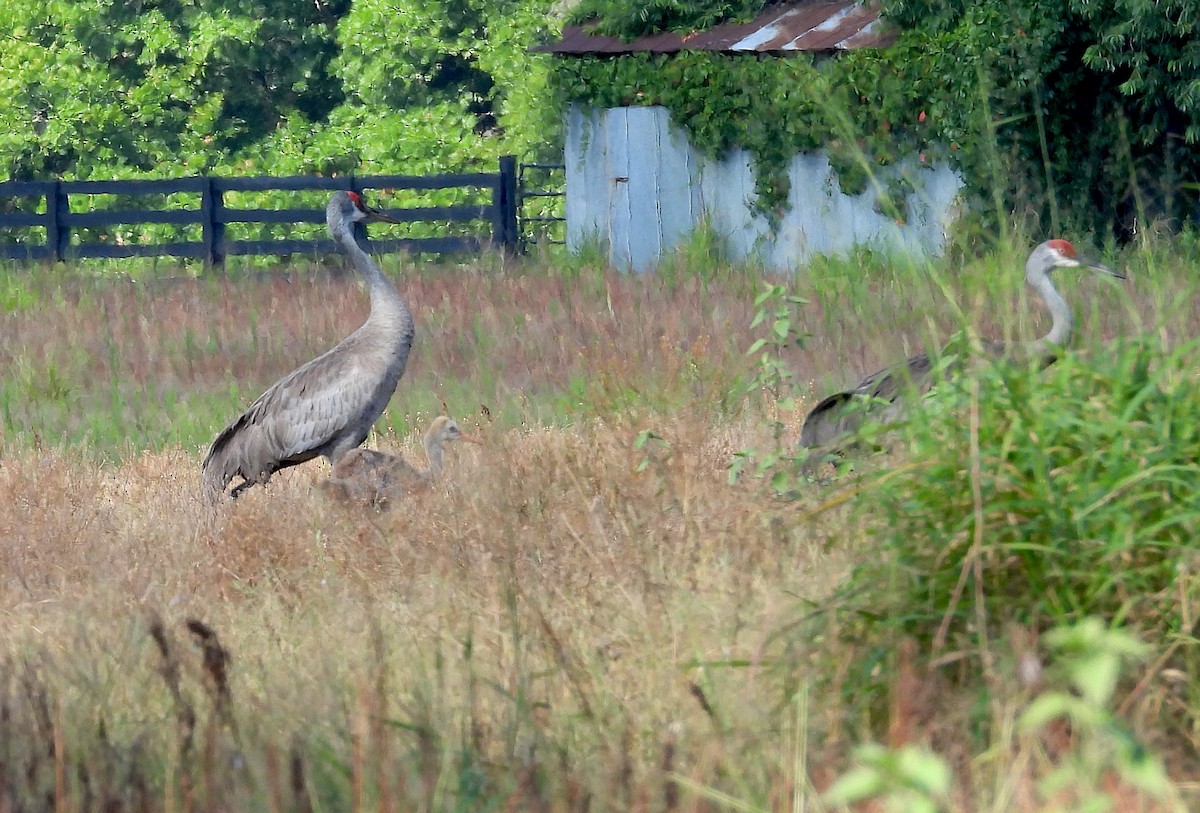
x=376, y=215
x=470, y=439
x=1103, y=269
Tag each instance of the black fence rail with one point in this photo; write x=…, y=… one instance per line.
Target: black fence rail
x=58, y=220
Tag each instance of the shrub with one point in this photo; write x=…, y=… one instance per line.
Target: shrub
x=1041, y=497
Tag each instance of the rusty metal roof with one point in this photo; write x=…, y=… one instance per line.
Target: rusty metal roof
x=809, y=25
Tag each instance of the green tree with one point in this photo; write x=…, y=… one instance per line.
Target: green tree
x=94, y=87
x=436, y=85
x=97, y=89
x=1094, y=107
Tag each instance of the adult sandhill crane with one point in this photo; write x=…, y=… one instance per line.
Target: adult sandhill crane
x=838, y=415
x=327, y=406
x=375, y=477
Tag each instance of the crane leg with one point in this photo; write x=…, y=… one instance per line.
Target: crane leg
x=239, y=488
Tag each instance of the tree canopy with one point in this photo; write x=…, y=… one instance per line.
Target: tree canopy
x=1095, y=105
x=96, y=88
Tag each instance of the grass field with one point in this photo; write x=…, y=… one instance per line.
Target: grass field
x=584, y=614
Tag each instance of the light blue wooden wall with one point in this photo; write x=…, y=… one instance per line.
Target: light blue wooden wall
x=637, y=187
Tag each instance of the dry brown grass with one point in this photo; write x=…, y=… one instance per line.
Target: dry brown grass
x=572, y=633
x=583, y=587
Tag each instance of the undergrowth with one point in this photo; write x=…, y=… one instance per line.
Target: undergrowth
x=1066, y=492
x=1015, y=500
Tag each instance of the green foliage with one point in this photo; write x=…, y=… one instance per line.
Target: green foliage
x=94, y=89
x=906, y=779
x=1054, y=494
x=860, y=108
x=1088, y=114
x=1089, y=656
x=1077, y=121
x=777, y=310
x=1153, y=45
x=702, y=255
x=651, y=445
x=774, y=108
x=15, y=296
x=436, y=85
x=97, y=90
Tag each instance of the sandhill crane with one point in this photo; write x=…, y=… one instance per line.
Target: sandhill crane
x=375, y=477
x=327, y=406
x=836, y=416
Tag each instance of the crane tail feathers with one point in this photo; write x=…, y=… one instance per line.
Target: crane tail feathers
x=829, y=421
x=219, y=465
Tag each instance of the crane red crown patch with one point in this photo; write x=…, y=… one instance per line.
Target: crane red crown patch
x=358, y=202
x=1062, y=247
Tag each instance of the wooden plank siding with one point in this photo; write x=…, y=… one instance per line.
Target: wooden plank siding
x=497, y=217
x=637, y=188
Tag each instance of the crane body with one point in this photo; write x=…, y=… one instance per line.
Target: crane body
x=842, y=414
x=326, y=407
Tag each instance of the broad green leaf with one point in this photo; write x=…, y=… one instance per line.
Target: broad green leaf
x=858, y=783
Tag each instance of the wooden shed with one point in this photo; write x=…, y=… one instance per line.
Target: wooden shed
x=636, y=185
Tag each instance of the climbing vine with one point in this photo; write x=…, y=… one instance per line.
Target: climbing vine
x=1035, y=105
x=857, y=109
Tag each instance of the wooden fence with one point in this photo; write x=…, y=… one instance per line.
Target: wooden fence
x=213, y=215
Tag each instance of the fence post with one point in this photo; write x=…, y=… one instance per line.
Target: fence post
x=504, y=224
x=58, y=235
x=212, y=228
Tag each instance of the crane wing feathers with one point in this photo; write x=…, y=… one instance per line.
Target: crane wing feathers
x=291, y=421
x=303, y=411
x=835, y=416
x=309, y=418
x=826, y=422
x=327, y=406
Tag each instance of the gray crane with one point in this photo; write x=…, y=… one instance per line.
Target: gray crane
x=327, y=406
x=375, y=477
x=842, y=413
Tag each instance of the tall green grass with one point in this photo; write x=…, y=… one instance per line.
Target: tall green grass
x=1014, y=499
x=1072, y=489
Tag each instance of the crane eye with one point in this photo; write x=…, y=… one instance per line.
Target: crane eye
x=1062, y=247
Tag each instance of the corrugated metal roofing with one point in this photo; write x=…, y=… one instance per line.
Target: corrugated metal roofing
x=812, y=25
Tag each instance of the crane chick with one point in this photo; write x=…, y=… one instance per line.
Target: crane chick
x=376, y=478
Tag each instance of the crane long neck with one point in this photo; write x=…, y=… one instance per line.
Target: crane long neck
x=388, y=309
x=1061, y=320
x=433, y=451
